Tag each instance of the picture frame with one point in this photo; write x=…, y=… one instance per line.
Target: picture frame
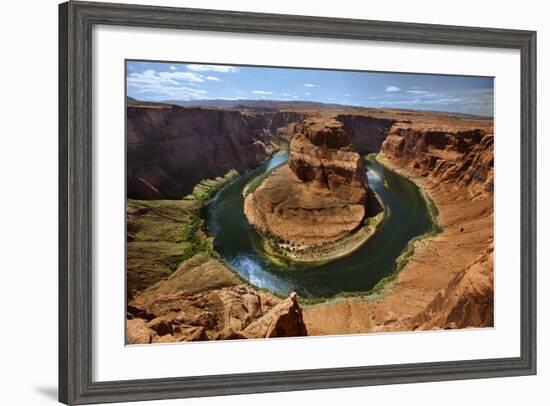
x=76, y=20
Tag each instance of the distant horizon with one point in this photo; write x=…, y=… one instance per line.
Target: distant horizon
x=192, y=83
x=199, y=102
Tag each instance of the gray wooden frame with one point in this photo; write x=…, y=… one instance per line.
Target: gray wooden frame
x=76, y=20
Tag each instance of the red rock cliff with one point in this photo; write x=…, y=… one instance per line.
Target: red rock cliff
x=171, y=148
x=459, y=156
x=366, y=132
x=323, y=154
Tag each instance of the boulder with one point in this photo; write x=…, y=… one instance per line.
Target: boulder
x=284, y=320
x=137, y=332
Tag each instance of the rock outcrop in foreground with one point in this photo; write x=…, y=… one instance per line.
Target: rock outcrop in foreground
x=319, y=197
x=203, y=300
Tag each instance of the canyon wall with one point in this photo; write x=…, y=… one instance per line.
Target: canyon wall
x=466, y=302
x=454, y=162
x=366, y=132
x=461, y=156
x=284, y=124
x=171, y=148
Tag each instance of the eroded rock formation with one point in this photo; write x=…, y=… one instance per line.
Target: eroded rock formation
x=172, y=148
x=322, y=153
x=459, y=155
x=466, y=302
x=320, y=196
x=366, y=132
x=195, y=306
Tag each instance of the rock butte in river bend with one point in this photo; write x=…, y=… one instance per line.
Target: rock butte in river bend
x=447, y=283
x=319, y=196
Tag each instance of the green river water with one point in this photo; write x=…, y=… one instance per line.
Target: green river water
x=407, y=216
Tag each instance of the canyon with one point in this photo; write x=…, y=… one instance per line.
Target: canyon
x=447, y=281
x=170, y=148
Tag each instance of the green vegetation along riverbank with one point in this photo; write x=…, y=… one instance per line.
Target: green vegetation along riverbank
x=161, y=234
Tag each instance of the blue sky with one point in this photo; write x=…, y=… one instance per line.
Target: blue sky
x=159, y=81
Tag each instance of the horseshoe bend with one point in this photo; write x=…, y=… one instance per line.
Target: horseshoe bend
x=318, y=206
x=403, y=236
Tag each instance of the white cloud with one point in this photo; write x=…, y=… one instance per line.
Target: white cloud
x=392, y=89
x=347, y=95
x=307, y=93
x=165, y=85
x=310, y=85
x=150, y=76
x=213, y=68
x=415, y=91
x=213, y=78
x=287, y=94
x=261, y=92
x=173, y=67
x=169, y=93
x=182, y=76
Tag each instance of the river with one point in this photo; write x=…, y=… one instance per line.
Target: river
x=236, y=241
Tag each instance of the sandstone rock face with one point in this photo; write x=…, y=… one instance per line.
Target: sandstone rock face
x=171, y=148
x=193, y=306
x=366, y=132
x=284, y=124
x=320, y=196
x=467, y=301
x=462, y=157
x=137, y=332
x=284, y=320
x=323, y=154
x=235, y=312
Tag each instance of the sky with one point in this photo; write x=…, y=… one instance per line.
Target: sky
x=163, y=81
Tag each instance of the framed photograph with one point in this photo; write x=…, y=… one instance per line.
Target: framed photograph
x=260, y=202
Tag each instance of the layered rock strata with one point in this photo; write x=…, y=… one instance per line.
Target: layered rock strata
x=448, y=281
x=466, y=302
x=203, y=300
x=319, y=196
x=461, y=156
x=365, y=131
x=170, y=148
